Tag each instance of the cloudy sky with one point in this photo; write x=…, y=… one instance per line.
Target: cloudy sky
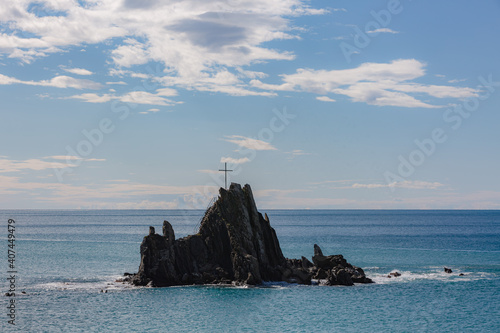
x=317, y=104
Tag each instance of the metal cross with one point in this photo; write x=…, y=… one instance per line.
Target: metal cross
x=225, y=174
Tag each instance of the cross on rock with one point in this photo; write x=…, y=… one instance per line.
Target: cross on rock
x=225, y=174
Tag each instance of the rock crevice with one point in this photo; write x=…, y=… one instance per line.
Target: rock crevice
x=235, y=244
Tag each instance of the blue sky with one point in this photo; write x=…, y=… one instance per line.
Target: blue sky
x=316, y=104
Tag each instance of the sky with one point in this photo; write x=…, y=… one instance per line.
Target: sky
x=128, y=104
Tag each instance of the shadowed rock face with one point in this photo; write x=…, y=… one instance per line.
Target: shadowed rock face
x=235, y=244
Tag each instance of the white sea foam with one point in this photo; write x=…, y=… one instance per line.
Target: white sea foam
x=76, y=240
x=436, y=273
x=108, y=283
x=278, y=284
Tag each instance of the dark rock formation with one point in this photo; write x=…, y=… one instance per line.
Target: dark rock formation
x=235, y=244
x=448, y=270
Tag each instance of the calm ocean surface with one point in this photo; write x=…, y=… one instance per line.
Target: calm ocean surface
x=65, y=258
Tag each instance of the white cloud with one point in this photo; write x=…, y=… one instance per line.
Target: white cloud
x=383, y=30
x=69, y=82
x=7, y=165
x=117, y=82
x=457, y=80
x=249, y=143
x=297, y=152
x=132, y=53
x=61, y=81
x=325, y=99
x=63, y=157
x=383, y=84
x=143, y=97
x=43, y=96
x=169, y=92
x=251, y=74
x=222, y=81
x=134, y=97
x=35, y=164
x=407, y=184
x=149, y=111
x=234, y=160
x=193, y=39
x=77, y=71
x=93, y=98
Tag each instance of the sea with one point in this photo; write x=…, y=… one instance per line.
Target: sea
x=68, y=263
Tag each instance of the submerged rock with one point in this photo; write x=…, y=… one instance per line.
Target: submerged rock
x=235, y=244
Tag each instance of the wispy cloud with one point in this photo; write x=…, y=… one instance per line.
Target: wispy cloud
x=234, y=160
x=297, y=152
x=35, y=164
x=149, y=111
x=143, y=97
x=456, y=80
x=117, y=83
x=449, y=200
x=77, y=71
x=249, y=143
x=383, y=30
x=362, y=184
x=61, y=81
x=325, y=99
x=93, y=98
x=407, y=184
x=63, y=157
x=134, y=97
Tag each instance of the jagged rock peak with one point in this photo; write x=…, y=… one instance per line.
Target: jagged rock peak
x=317, y=250
x=168, y=231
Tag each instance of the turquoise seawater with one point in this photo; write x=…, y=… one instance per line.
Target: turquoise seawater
x=64, y=259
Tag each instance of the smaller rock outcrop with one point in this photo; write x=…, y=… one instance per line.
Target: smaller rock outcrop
x=393, y=274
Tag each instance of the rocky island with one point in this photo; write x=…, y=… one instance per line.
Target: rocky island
x=236, y=245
